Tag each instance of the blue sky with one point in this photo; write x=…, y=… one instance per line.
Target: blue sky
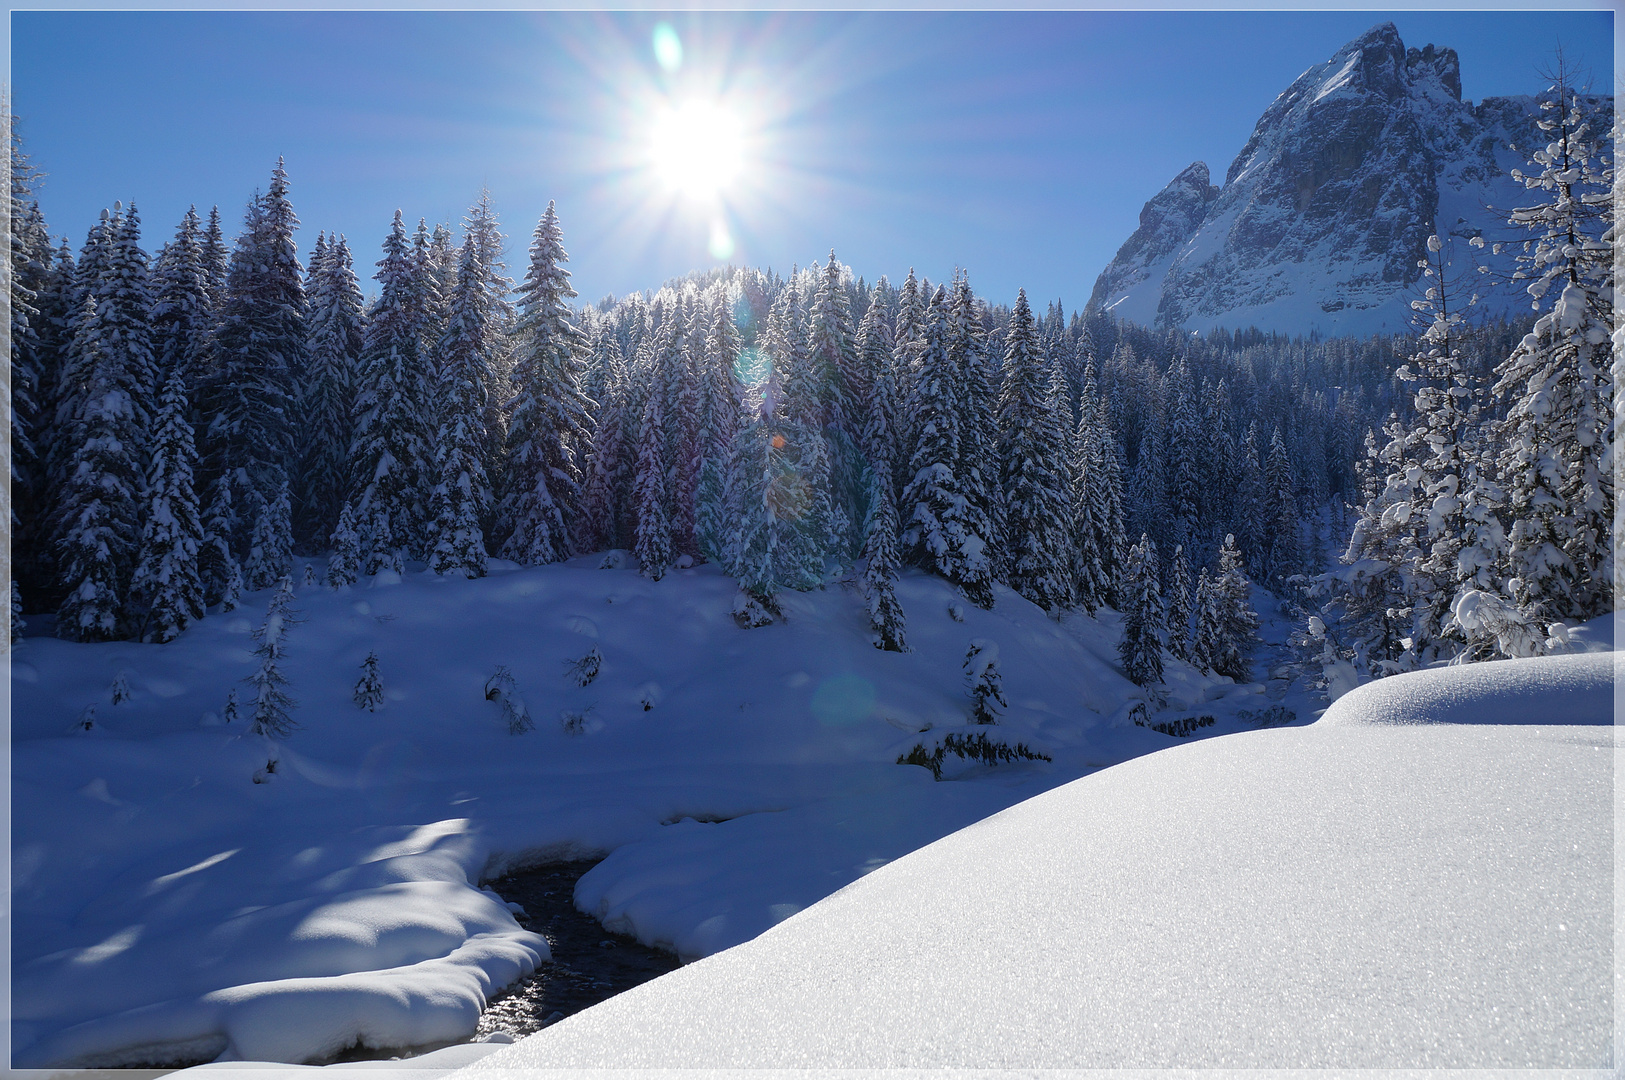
x=1019, y=146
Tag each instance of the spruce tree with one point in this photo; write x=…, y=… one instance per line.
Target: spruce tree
x=722, y=420
x=328, y=399
x=1093, y=565
x=462, y=498
x=251, y=400
x=1186, y=446
x=941, y=529
x=182, y=317
x=369, y=689
x=166, y=589
x=1179, y=606
x=1234, y=623
x=978, y=462
x=345, y=562
x=1283, y=549
x=982, y=679
x=653, y=547
x=270, y=551
x=604, y=498
x=880, y=567
x=109, y=398
x=393, y=445
x=217, y=561
x=1559, y=381
x=271, y=700
x=1036, y=499
x=1141, y=647
x=548, y=414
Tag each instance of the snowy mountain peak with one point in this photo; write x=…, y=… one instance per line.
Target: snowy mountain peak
x=1327, y=208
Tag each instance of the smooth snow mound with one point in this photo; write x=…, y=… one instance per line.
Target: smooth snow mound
x=1334, y=897
x=1576, y=689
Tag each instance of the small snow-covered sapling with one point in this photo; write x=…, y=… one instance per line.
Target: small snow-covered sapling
x=369, y=689
x=982, y=679
x=574, y=722
x=585, y=670
x=500, y=688
x=87, y=719
x=310, y=576
x=956, y=612
x=121, y=688
x=230, y=715
x=262, y=776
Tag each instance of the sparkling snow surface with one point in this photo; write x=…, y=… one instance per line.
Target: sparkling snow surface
x=1380, y=889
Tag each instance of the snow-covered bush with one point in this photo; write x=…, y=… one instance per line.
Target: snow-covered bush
x=982, y=679
x=584, y=670
x=977, y=747
x=501, y=689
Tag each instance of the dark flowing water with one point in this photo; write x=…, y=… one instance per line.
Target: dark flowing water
x=589, y=963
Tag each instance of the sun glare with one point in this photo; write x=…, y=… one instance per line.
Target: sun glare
x=698, y=148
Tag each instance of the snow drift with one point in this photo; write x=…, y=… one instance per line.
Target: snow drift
x=1368, y=891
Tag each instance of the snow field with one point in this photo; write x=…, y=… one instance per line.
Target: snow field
x=1354, y=894
x=168, y=908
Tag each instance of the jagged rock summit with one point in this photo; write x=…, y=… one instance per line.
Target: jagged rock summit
x=1327, y=209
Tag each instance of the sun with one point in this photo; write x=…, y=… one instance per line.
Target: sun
x=697, y=148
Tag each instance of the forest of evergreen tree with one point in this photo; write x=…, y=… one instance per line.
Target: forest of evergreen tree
x=186, y=425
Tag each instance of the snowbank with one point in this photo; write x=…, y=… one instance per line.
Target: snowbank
x=1345, y=895
x=1575, y=689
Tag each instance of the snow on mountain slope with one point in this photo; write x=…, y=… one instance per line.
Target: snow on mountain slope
x=168, y=908
x=1350, y=894
x=1324, y=213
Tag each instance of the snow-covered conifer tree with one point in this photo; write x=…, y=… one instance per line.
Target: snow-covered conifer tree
x=393, y=443
x=182, y=318
x=100, y=507
x=881, y=565
x=548, y=414
x=653, y=548
x=217, y=562
x=941, y=529
x=722, y=420
x=1558, y=456
x=978, y=462
x=328, y=400
x=983, y=681
x=462, y=498
x=1036, y=500
x=1186, y=446
x=1179, y=605
x=1092, y=569
x=1141, y=647
x=166, y=588
x=345, y=562
x=271, y=701
x=1228, y=625
x=250, y=401
x=1283, y=548
x=270, y=552
x=603, y=505
x=369, y=689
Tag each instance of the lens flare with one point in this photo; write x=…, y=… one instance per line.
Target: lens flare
x=722, y=241
x=668, y=47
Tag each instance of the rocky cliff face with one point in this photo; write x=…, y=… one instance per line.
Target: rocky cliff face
x=1327, y=209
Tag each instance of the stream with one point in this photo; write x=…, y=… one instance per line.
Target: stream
x=589, y=963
